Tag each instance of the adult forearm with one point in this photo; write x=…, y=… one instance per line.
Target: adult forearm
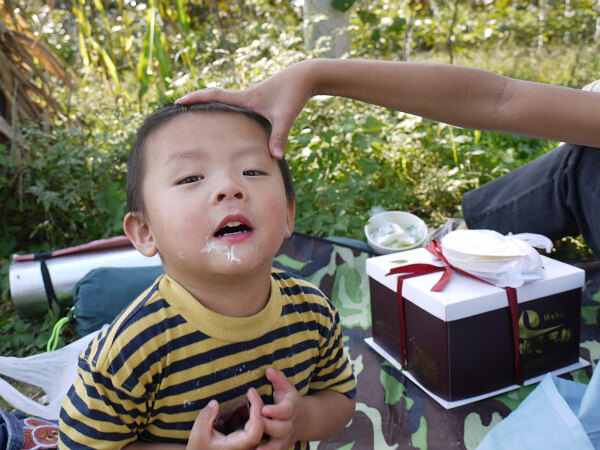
x=427, y=89
x=463, y=96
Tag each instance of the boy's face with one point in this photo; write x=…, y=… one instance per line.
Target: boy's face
x=214, y=198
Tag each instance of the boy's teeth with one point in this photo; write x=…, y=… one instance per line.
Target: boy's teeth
x=232, y=228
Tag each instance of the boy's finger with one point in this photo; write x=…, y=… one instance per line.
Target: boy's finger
x=279, y=411
x=209, y=413
x=278, y=380
x=254, y=428
x=255, y=400
x=276, y=428
x=202, y=428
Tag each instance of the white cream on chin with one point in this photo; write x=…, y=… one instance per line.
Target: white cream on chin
x=224, y=250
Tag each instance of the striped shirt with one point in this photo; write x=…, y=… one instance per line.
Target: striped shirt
x=166, y=356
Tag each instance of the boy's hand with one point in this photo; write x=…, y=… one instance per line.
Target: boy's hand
x=204, y=436
x=284, y=419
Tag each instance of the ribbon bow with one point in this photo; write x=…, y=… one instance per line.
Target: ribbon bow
x=416, y=270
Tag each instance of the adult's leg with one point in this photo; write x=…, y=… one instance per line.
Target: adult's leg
x=557, y=195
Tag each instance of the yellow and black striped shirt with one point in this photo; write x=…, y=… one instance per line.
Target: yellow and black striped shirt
x=166, y=356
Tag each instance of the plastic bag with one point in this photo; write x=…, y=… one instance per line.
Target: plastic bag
x=502, y=260
x=54, y=372
x=557, y=414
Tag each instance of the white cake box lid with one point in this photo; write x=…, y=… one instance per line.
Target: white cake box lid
x=463, y=296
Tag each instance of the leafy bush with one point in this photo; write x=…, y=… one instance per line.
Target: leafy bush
x=67, y=187
x=19, y=338
x=348, y=157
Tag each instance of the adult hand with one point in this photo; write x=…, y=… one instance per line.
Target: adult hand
x=279, y=98
x=204, y=436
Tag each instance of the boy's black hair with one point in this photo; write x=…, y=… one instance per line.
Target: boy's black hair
x=136, y=166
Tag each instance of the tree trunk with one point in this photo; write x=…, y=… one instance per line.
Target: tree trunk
x=597, y=32
x=326, y=29
x=542, y=7
x=406, y=50
x=451, y=36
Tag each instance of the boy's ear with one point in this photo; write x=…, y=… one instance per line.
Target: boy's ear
x=139, y=233
x=291, y=213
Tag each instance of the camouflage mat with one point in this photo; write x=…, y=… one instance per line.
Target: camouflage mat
x=391, y=411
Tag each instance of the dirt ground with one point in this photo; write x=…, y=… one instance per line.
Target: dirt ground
x=29, y=390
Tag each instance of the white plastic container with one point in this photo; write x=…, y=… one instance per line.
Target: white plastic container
x=393, y=231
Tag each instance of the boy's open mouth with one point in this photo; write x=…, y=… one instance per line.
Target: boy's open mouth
x=232, y=228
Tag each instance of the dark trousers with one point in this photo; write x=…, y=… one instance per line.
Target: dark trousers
x=557, y=195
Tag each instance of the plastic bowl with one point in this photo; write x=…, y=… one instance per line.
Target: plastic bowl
x=402, y=218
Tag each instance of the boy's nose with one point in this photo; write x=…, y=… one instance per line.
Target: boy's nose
x=229, y=191
x=222, y=196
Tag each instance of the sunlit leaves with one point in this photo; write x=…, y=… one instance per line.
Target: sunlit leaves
x=342, y=5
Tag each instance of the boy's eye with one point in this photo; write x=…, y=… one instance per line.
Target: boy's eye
x=190, y=179
x=253, y=173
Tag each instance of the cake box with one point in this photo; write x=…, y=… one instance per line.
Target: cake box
x=458, y=344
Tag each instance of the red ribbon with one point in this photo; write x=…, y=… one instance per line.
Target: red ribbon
x=416, y=270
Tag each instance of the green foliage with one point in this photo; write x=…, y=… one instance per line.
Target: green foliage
x=400, y=29
x=348, y=157
x=342, y=5
x=22, y=338
x=65, y=184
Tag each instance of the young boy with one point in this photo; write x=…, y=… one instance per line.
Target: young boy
x=221, y=327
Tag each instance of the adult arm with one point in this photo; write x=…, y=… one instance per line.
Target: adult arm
x=458, y=95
